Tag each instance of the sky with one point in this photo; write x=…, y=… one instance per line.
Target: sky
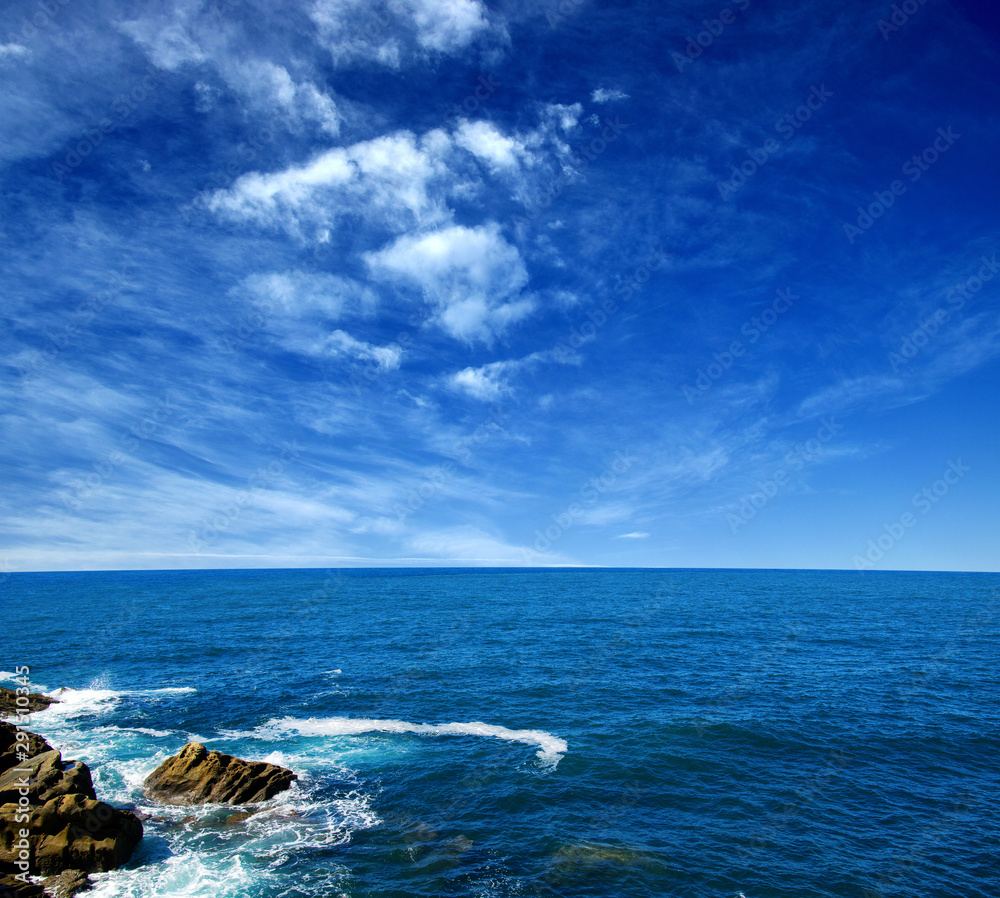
x=450, y=282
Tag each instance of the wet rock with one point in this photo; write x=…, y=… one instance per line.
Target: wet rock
x=11, y=887
x=15, y=749
x=66, y=884
x=199, y=776
x=12, y=703
x=45, y=776
x=70, y=832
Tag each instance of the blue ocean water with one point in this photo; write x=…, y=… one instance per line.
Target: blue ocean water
x=538, y=733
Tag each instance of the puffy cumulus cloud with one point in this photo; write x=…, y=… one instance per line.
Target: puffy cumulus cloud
x=486, y=383
x=390, y=176
x=471, y=276
x=485, y=142
x=395, y=31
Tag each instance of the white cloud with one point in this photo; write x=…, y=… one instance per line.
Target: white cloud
x=485, y=383
x=358, y=30
x=297, y=294
x=491, y=381
x=608, y=95
x=12, y=51
x=389, y=176
x=471, y=276
x=386, y=357
x=273, y=89
x=485, y=142
x=468, y=544
x=181, y=40
x=636, y=534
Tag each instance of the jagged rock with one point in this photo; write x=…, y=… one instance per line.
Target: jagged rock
x=28, y=704
x=13, y=750
x=200, y=776
x=66, y=884
x=10, y=887
x=70, y=832
x=46, y=776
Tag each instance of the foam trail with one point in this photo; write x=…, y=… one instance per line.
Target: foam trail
x=550, y=748
x=72, y=702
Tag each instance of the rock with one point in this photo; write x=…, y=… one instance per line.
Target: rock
x=66, y=884
x=71, y=832
x=200, y=776
x=11, y=887
x=12, y=703
x=14, y=750
x=46, y=776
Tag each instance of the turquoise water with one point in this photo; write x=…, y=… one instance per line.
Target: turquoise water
x=522, y=733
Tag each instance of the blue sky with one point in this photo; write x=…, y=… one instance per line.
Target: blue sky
x=446, y=282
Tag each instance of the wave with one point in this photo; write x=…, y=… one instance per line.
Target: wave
x=550, y=748
x=73, y=702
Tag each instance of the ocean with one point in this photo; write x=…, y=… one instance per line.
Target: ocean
x=612, y=733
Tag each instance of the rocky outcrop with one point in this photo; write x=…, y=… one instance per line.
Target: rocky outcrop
x=11, y=703
x=14, y=888
x=66, y=884
x=71, y=832
x=200, y=776
x=14, y=749
x=45, y=776
x=68, y=829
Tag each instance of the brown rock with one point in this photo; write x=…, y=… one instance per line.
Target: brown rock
x=28, y=704
x=66, y=884
x=71, y=832
x=46, y=776
x=200, y=776
x=11, y=887
x=14, y=750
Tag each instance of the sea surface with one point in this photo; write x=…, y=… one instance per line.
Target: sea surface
x=716, y=734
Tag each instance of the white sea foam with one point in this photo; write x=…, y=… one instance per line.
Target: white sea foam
x=96, y=698
x=550, y=748
x=7, y=676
